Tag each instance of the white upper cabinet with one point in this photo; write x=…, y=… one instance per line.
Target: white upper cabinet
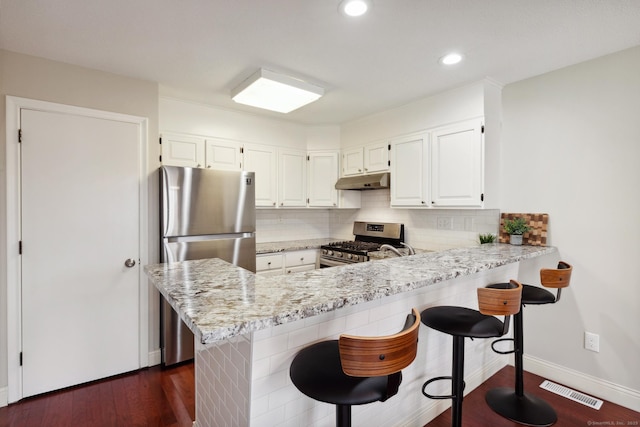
x=323, y=174
x=408, y=171
x=371, y=158
x=352, y=162
x=183, y=150
x=457, y=165
x=223, y=154
x=292, y=178
x=376, y=157
x=263, y=160
x=439, y=168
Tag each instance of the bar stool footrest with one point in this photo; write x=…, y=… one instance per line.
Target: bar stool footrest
x=526, y=409
x=500, y=351
x=431, y=396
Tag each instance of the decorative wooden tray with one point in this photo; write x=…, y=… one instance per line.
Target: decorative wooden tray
x=538, y=223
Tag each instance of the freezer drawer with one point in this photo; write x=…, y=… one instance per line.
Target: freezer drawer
x=237, y=249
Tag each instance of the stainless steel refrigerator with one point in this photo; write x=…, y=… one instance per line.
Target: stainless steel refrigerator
x=203, y=214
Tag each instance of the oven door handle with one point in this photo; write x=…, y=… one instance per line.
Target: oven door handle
x=324, y=262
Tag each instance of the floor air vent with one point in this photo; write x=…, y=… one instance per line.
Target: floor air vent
x=576, y=396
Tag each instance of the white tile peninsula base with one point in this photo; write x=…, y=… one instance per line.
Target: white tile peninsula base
x=244, y=381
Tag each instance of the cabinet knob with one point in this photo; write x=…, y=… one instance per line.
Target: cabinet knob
x=274, y=203
x=199, y=165
x=281, y=203
x=302, y=259
x=422, y=202
x=359, y=170
x=269, y=263
x=209, y=166
x=365, y=169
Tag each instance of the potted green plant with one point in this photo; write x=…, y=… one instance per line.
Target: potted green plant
x=487, y=238
x=516, y=227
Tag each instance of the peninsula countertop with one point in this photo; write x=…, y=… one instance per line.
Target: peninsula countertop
x=218, y=300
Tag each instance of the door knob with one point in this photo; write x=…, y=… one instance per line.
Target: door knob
x=129, y=263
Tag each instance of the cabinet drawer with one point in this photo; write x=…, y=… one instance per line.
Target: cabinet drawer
x=268, y=262
x=289, y=270
x=296, y=258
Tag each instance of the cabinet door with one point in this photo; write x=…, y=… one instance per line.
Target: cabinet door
x=408, y=171
x=376, y=157
x=292, y=178
x=456, y=165
x=323, y=174
x=183, y=150
x=352, y=162
x=223, y=155
x=263, y=160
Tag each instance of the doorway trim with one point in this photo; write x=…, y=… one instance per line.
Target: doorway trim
x=13, y=259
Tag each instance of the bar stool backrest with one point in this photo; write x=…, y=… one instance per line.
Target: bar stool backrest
x=500, y=302
x=556, y=278
x=379, y=356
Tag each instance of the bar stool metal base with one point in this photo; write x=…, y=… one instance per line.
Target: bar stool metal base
x=526, y=409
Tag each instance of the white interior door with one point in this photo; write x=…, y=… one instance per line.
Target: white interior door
x=80, y=222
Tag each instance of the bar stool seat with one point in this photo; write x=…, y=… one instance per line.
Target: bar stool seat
x=355, y=370
x=514, y=403
x=461, y=323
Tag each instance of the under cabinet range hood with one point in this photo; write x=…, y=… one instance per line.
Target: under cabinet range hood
x=364, y=182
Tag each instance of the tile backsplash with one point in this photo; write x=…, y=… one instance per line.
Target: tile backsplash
x=421, y=225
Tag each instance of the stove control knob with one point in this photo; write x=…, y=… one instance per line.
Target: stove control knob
x=356, y=258
x=324, y=252
x=330, y=253
x=350, y=256
x=339, y=254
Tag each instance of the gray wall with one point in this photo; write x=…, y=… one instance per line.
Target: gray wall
x=571, y=148
x=36, y=78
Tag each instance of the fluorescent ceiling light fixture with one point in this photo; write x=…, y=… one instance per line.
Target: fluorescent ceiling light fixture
x=451, y=59
x=355, y=7
x=276, y=92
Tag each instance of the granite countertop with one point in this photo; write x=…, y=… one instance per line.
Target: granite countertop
x=292, y=245
x=218, y=300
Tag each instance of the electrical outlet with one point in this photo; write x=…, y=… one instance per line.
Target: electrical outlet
x=444, y=223
x=592, y=341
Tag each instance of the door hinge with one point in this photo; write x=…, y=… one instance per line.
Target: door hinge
x=160, y=158
x=19, y=135
x=241, y=150
x=388, y=162
x=160, y=140
x=20, y=358
x=389, y=147
x=482, y=197
x=308, y=158
x=20, y=247
x=482, y=129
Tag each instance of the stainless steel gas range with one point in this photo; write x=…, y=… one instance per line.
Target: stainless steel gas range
x=369, y=237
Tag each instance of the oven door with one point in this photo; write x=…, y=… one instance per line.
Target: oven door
x=326, y=263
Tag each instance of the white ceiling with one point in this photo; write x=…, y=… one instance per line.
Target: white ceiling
x=200, y=49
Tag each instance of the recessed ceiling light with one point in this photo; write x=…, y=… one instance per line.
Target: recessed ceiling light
x=451, y=59
x=355, y=7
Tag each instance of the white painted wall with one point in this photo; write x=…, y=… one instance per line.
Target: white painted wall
x=571, y=147
x=41, y=79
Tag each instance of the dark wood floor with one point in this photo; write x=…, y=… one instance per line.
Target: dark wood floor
x=164, y=397
x=149, y=397
x=476, y=413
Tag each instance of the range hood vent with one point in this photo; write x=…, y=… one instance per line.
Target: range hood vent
x=364, y=182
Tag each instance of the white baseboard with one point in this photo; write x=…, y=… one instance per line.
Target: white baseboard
x=4, y=396
x=155, y=357
x=432, y=408
x=588, y=384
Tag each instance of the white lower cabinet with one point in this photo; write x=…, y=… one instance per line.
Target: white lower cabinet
x=269, y=264
x=274, y=264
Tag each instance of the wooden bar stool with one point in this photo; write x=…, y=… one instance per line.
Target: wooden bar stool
x=515, y=404
x=355, y=370
x=461, y=323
